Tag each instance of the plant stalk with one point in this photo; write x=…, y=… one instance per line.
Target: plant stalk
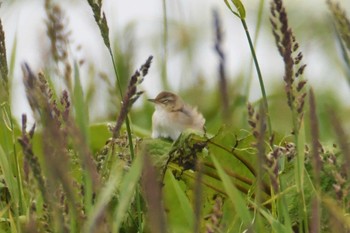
x=261, y=81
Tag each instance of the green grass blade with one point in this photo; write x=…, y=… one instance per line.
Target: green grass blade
x=126, y=192
x=8, y=175
x=80, y=107
x=234, y=195
x=13, y=58
x=282, y=206
x=10, y=180
x=276, y=225
x=182, y=200
x=105, y=196
x=299, y=162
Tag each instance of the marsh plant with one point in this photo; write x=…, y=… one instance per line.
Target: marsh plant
x=67, y=174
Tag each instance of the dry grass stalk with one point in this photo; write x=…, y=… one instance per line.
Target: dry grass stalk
x=58, y=34
x=27, y=147
x=131, y=95
x=317, y=164
x=3, y=59
x=316, y=146
x=261, y=158
x=222, y=73
x=56, y=30
x=152, y=192
x=254, y=121
x=288, y=49
x=198, y=200
x=342, y=22
x=215, y=216
x=101, y=20
x=343, y=140
x=57, y=131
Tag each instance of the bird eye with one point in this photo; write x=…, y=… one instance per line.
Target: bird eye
x=165, y=101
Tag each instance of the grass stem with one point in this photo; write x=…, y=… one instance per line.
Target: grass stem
x=164, y=73
x=131, y=144
x=261, y=81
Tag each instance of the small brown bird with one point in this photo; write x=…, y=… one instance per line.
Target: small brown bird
x=172, y=116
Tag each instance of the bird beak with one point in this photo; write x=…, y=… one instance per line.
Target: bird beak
x=152, y=100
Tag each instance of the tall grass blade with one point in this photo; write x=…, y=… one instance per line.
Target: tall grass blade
x=236, y=198
x=9, y=177
x=11, y=183
x=282, y=206
x=152, y=194
x=256, y=36
x=80, y=107
x=105, y=196
x=164, y=71
x=276, y=225
x=317, y=164
x=127, y=190
x=13, y=58
x=182, y=199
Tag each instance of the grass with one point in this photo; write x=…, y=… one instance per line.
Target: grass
x=66, y=174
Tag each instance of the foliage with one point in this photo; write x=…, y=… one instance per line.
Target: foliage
x=65, y=174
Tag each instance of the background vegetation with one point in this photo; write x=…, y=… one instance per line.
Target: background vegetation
x=278, y=164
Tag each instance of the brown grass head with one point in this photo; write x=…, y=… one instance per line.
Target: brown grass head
x=3, y=59
x=58, y=33
x=58, y=130
x=101, y=20
x=288, y=48
x=222, y=73
x=255, y=122
x=131, y=95
x=26, y=143
x=342, y=21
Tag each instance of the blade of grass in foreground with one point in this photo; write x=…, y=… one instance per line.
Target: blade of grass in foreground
x=242, y=15
x=256, y=33
x=126, y=192
x=10, y=180
x=276, y=225
x=8, y=176
x=81, y=116
x=182, y=200
x=105, y=196
x=237, y=200
x=80, y=107
x=101, y=21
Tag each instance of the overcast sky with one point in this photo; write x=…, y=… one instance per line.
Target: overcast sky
x=24, y=20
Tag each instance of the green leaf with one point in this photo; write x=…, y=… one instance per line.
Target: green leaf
x=99, y=135
x=240, y=8
x=180, y=214
x=234, y=195
x=229, y=7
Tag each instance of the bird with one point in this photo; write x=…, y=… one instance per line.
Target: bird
x=172, y=116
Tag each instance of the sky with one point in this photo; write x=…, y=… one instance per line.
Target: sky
x=23, y=20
